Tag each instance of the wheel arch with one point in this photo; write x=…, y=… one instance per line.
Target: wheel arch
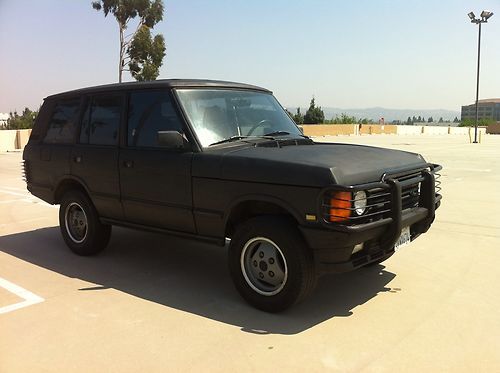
x=249, y=206
x=69, y=183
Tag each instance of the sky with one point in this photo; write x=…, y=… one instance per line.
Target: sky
x=347, y=54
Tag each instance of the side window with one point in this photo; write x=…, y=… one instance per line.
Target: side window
x=148, y=113
x=101, y=120
x=62, y=124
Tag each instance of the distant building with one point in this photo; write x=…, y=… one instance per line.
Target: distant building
x=488, y=108
x=3, y=119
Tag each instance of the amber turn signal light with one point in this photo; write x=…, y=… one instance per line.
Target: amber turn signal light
x=340, y=206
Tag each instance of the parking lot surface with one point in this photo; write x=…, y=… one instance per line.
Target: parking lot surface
x=157, y=303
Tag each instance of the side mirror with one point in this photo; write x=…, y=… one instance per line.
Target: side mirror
x=170, y=139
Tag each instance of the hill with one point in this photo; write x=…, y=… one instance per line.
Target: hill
x=389, y=115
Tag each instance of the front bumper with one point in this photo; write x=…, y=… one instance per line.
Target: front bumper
x=333, y=244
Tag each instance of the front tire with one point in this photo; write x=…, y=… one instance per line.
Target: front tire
x=80, y=226
x=270, y=264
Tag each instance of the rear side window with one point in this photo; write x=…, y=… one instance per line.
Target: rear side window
x=63, y=122
x=101, y=120
x=148, y=113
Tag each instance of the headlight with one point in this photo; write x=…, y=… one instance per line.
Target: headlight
x=360, y=202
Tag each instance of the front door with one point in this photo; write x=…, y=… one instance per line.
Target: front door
x=155, y=181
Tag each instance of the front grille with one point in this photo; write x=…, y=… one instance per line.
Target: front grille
x=378, y=198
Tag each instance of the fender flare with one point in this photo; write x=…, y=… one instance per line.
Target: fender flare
x=259, y=198
x=65, y=178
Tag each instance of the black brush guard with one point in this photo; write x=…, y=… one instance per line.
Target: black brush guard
x=333, y=245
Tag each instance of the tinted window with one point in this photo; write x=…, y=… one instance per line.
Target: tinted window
x=148, y=113
x=101, y=120
x=84, y=132
x=62, y=124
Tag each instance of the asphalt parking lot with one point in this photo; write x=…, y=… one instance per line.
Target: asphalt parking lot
x=157, y=303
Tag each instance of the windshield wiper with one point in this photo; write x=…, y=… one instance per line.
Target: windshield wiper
x=229, y=139
x=277, y=133
x=284, y=133
x=268, y=136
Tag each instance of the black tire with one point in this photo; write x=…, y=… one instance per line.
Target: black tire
x=292, y=261
x=80, y=225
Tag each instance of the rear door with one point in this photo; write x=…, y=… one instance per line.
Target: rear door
x=94, y=160
x=155, y=181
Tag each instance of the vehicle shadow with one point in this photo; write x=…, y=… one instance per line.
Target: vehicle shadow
x=191, y=277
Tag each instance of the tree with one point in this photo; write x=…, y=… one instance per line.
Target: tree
x=298, y=117
x=409, y=122
x=430, y=120
x=142, y=54
x=146, y=55
x=314, y=114
x=483, y=122
x=441, y=120
x=23, y=121
x=455, y=120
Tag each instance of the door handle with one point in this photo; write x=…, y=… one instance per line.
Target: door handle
x=128, y=164
x=77, y=159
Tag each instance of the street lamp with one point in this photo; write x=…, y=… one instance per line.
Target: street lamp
x=485, y=15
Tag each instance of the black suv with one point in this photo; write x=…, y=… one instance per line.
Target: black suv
x=218, y=160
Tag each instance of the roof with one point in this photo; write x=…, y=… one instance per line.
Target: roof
x=162, y=83
x=487, y=101
x=490, y=101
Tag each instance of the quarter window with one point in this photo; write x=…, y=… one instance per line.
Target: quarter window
x=62, y=125
x=148, y=113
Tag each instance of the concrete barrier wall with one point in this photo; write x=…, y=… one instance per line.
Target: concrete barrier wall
x=22, y=138
x=7, y=140
x=409, y=130
x=13, y=139
x=329, y=129
x=493, y=129
x=377, y=129
x=388, y=129
x=17, y=139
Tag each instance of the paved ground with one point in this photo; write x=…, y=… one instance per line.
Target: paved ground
x=154, y=303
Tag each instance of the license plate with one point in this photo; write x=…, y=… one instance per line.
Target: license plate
x=404, y=239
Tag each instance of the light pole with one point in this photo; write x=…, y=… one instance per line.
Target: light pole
x=485, y=15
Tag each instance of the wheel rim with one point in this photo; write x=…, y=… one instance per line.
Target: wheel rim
x=264, y=266
x=75, y=221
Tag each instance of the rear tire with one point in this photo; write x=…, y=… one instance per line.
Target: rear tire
x=270, y=264
x=80, y=226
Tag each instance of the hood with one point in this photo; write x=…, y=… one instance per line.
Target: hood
x=315, y=165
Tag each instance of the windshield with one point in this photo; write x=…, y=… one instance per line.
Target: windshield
x=220, y=114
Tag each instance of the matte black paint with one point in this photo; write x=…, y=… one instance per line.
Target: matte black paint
x=194, y=192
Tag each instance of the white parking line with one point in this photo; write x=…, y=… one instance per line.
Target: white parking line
x=15, y=200
x=28, y=198
x=13, y=193
x=18, y=189
x=28, y=296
